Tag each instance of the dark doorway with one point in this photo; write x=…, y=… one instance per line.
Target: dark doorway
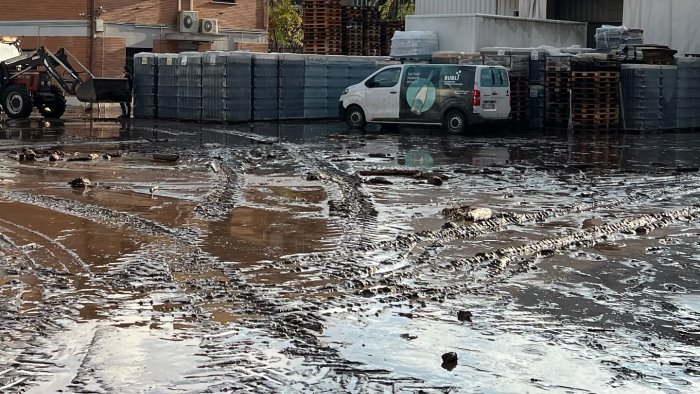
x=130, y=52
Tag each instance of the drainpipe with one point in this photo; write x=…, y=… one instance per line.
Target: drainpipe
x=179, y=6
x=91, y=37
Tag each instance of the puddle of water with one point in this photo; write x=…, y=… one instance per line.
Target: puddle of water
x=250, y=235
x=493, y=362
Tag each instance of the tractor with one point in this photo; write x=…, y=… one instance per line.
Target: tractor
x=39, y=78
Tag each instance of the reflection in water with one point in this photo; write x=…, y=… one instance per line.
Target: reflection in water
x=250, y=235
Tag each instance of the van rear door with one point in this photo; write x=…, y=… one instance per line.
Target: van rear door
x=494, y=87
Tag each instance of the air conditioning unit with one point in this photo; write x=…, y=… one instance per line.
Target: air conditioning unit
x=189, y=22
x=209, y=26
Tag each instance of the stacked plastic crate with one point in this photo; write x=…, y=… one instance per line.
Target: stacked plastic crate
x=688, y=106
x=265, y=86
x=189, y=86
x=359, y=68
x=166, y=95
x=214, y=86
x=557, y=97
x=291, y=86
x=316, y=87
x=239, y=87
x=669, y=97
x=537, y=102
x=641, y=93
x=145, y=85
x=338, y=76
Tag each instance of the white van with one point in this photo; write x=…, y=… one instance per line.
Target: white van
x=454, y=96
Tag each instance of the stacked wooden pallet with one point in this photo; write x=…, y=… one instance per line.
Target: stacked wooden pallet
x=595, y=88
x=647, y=54
x=353, y=28
x=322, y=22
x=557, y=85
x=388, y=28
x=371, y=31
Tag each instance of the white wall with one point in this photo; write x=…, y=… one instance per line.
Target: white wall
x=675, y=23
x=432, y=7
x=470, y=32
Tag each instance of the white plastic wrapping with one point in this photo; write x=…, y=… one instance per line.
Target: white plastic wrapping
x=609, y=37
x=414, y=44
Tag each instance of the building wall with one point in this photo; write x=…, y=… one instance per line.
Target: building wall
x=666, y=22
x=109, y=55
x=431, y=7
x=244, y=15
x=129, y=24
x=23, y=10
x=470, y=33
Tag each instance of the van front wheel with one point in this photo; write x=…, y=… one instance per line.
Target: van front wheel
x=355, y=117
x=456, y=122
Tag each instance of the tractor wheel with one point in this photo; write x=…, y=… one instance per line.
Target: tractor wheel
x=55, y=109
x=17, y=101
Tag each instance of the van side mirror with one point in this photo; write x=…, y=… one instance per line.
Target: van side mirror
x=371, y=84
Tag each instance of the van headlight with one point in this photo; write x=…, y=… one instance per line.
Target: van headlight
x=346, y=91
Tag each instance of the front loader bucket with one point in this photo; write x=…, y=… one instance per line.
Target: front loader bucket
x=104, y=90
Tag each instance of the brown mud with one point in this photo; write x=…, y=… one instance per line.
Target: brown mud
x=265, y=258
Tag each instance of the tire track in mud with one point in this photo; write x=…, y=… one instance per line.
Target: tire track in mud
x=99, y=214
x=27, y=361
x=226, y=193
x=296, y=323
x=497, y=266
x=373, y=264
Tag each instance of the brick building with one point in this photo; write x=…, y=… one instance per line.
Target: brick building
x=121, y=28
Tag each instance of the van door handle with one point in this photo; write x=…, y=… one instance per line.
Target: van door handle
x=494, y=94
x=393, y=92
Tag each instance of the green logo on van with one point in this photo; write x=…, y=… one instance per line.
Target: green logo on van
x=420, y=95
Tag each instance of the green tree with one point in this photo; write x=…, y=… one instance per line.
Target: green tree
x=285, y=30
x=395, y=10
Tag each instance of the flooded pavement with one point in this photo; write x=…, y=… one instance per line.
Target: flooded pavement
x=311, y=258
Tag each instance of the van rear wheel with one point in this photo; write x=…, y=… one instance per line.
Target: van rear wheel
x=355, y=117
x=456, y=122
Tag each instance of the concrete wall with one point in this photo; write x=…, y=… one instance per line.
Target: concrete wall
x=471, y=32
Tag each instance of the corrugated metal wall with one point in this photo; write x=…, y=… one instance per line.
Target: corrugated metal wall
x=431, y=7
x=586, y=10
x=508, y=7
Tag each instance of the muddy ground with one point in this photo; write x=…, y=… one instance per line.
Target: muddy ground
x=263, y=261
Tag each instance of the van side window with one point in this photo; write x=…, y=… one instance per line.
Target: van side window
x=487, y=80
x=385, y=79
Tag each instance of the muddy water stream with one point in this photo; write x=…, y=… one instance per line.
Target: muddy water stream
x=262, y=261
